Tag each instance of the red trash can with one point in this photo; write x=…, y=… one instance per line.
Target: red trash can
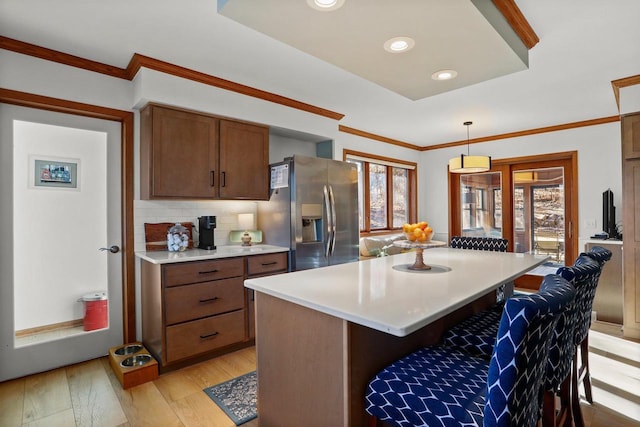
x=96, y=311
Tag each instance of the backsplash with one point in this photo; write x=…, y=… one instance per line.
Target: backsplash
x=226, y=213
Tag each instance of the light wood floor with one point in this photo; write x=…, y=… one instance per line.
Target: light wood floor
x=89, y=394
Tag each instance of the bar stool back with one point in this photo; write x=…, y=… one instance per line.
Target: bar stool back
x=439, y=386
x=580, y=374
x=493, y=244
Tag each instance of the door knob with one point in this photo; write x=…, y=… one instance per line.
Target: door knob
x=113, y=249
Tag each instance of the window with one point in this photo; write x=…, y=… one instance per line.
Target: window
x=530, y=201
x=386, y=191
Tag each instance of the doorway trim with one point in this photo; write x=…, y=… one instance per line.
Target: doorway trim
x=125, y=118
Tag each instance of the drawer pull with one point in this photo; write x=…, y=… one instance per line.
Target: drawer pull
x=265, y=264
x=208, y=272
x=204, y=337
x=209, y=299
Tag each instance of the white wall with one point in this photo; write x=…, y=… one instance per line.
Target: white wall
x=55, y=259
x=599, y=168
x=281, y=147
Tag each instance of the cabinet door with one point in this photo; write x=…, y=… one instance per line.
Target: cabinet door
x=631, y=222
x=244, y=161
x=630, y=139
x=184, y=154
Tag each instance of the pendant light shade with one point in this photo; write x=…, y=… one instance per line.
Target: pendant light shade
x=467, y=163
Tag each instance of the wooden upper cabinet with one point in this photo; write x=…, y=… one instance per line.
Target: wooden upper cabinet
x=244, y=161
x=179, y=154
x=187, y=155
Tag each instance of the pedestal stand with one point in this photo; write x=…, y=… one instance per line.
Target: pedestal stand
x=419, y=264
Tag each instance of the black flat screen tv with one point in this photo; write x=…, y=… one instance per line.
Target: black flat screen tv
x=609, y=215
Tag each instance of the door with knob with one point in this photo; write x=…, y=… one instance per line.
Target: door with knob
x=61, y=287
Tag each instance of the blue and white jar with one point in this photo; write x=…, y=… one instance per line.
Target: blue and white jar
x=177, y=238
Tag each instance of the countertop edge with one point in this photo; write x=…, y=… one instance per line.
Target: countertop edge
x=166, y=257
x=399, y=331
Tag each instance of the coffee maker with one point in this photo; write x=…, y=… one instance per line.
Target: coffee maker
x=206, y=228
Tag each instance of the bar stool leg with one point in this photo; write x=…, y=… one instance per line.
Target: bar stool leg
x=585, y=374
x=566, y=418
x=549, y=409
x=575, y=393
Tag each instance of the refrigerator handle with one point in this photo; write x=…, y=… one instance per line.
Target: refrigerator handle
x=333, y=219
x=327, y=206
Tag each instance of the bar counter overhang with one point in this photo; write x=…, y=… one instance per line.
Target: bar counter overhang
x=322, y=334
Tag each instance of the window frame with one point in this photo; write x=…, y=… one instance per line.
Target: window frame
x=389, y=163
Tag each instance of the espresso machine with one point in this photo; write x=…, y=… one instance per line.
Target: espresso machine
x=206, y=228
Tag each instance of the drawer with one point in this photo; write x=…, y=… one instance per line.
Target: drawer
x=202, y=271
x=258, y=265
x=199, y=336
x=204, y=299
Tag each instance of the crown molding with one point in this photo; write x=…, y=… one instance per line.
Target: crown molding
x=61, y=58
x=546, y=129
x=139, y=61
x=623, y=82
x=375, y=137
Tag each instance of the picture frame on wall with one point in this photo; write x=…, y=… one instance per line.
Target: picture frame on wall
x=54, y=172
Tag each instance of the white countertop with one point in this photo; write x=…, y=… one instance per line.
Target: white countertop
x=374, y=294
x=166, y=257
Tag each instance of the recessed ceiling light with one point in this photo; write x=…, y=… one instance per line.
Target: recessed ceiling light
x=444, y=75
x=399, y=44
x=325, y=5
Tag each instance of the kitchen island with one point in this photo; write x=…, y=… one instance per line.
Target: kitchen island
x=322, y=334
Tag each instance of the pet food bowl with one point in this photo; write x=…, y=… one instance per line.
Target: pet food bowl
x=137, y=360
x=128, y=349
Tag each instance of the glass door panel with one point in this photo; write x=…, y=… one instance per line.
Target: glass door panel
x=481, y=204
x=539, y=212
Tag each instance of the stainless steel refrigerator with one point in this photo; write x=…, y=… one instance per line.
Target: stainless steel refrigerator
x=313, y=209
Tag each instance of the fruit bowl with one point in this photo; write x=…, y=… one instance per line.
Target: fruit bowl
x=421, y=238
x=419, y=232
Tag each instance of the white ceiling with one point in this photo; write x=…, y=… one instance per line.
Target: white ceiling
x=584, y=45
x=448, y=35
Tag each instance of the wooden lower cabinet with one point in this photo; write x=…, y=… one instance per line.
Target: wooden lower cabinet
x=195, y=310
x=200, y=336
x=257, y=266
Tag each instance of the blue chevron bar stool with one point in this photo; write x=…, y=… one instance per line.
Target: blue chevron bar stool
x=584, y=299
x=440, y=386
x=476, y=335
x=494, y=244
x=479, y=243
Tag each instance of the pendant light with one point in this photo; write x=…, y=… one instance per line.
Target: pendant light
x=469, y=164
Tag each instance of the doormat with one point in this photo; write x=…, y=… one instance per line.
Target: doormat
x=237, y=397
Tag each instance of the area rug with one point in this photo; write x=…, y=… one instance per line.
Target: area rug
x=237, y=397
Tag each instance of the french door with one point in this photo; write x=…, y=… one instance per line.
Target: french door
x=530, y=201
